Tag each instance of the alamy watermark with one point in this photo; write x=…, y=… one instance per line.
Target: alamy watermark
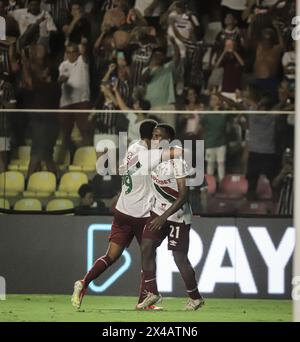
x=114, y=158
x=2, y=288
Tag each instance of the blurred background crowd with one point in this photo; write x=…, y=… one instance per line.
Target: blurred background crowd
x=147, y=55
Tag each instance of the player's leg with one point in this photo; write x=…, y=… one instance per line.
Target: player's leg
x=148, y=249
x=148, y=252
x=143, y=295
x=120, y=237
x=139, y=224
x=188, y=275
x=113, y=253
x=150, y=241
x=179, y=244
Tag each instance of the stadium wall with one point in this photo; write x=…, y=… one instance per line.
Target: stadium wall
x=233, y=257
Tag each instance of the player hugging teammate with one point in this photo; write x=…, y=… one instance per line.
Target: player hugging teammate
x=153, y=204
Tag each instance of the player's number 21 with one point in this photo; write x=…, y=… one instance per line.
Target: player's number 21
x=176, y=231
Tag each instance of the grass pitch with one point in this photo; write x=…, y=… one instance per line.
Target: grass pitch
x=36, y=308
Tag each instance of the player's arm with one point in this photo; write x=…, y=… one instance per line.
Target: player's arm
x=183, y=191
x=151, y=158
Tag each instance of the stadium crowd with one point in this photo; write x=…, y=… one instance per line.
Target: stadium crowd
x=159, y=55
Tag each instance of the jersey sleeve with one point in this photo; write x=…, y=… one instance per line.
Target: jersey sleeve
x=180, y=168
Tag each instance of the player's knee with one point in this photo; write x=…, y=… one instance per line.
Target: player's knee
x=148, y=249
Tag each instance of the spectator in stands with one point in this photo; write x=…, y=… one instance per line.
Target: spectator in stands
x=289, y=61
x=283, y=183
x=119, y=73
x=235, y=146
x=183, y=32
x=232, y=64
x=60, y=11
x=75, y=92
x=268, y=60
x=230, y=32
x=182, y=25
x=134, y=119
x=7, y=101
x=88, y=205
x=230, y=36
x=285, y=126
x=117, y=29
x=159, y=79
x=189, y=125
x=214, y=134
x=107, y=187
x=44, y=127
x=86, y=196
x=34, y=24
x=108, y=123
x=142, y=48
x=78, y=27
x=262, y=148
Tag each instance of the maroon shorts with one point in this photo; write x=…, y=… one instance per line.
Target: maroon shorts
x=125, y=228
x=178, y=234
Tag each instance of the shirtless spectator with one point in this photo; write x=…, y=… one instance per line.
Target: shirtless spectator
x=268, y=60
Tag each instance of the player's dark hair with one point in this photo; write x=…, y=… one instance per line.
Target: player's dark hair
x=146, y=129
x=85, y=189
x=169, y=130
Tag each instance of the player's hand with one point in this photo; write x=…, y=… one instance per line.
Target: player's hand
x=157, y=223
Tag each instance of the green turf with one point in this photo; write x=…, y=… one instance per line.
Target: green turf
x=121, y=309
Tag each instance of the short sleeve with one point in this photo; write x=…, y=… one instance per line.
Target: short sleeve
x=180, y=168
